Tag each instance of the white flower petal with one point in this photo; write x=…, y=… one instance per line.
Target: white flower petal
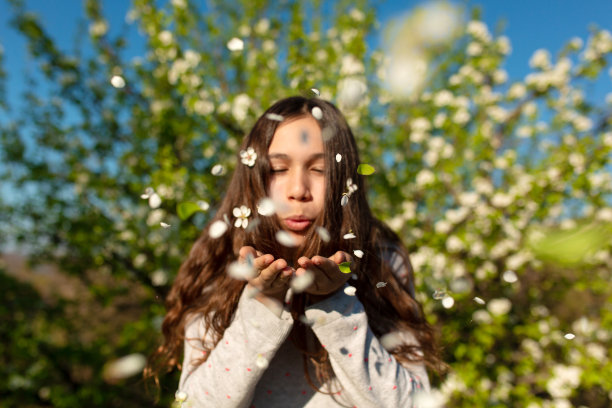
x=217, y=170
x=245, y=223
x=350, y=235
x=344, y=200
x=154, y=200
x=266, y=207
x=391, y=340
x=241, y=270
x=203, y=205
x=323, y=234
x=235, y=44
x=236, y=212
x=315, y=91
x=478, y=300
x=285, y=238
x=217, y=229
x=302, y=282
x=238, y=222
x=358, y=253
x=117, y=81
x=261, y=362
x=274, y=116
x=317, y=113
x=350, y=290
x=164, y=225
x=125, y=367
x=180, y=396
x=381, y=285
x=338, y=157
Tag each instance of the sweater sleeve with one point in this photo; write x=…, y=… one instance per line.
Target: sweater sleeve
x=368, y=374
x=230, y=374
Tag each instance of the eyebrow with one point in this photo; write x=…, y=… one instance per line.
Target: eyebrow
x=283, y=156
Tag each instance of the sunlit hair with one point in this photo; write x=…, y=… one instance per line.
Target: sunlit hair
x=202, y=286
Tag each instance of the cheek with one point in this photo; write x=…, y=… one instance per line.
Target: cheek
x=320, y=193
x=274, y=189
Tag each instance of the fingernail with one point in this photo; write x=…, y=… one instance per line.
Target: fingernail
x=317, y=262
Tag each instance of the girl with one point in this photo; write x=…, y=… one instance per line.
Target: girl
x=287, y=327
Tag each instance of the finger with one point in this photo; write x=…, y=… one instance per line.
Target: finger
x=304, y=262
x=263, y=261
x=270, y=273
x=340, y=257
x=246, y=251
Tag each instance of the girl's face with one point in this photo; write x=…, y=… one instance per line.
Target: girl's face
x=297, y=182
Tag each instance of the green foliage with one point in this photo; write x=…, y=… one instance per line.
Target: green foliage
x=500, y=190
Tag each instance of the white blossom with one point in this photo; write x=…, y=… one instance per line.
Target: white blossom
x=242, y=214
x=248, y=156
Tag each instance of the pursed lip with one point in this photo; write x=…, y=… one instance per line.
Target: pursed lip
x=297, y=222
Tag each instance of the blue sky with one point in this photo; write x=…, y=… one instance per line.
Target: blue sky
x=530, y=24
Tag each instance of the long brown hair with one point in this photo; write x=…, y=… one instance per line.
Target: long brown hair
x=392, y=308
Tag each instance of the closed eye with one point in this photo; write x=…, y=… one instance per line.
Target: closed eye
x=278, y=170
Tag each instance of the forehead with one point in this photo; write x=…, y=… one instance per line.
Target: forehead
x=298, y=134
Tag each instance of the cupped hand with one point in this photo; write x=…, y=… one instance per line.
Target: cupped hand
x=271, y=277
x=327, y=275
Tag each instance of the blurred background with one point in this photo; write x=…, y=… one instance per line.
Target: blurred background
x=489, y=125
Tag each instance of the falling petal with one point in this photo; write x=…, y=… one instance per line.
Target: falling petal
x=327, y=133
x=180, y=396
x=149, y=191
x=461, y=285
x=439, y=294
x=344, y=200
x=274, y=116
x=252, y=225
x=261, y=362
x=235, y=44
x=306, y=320
x=302, y=282
x=241, y=270
x=570, y=336
x=284, y=238
x=350, y=290
x=510, y=276
x=350, y=235
x=448, y=302
x=354, y=276
x=154, y=200
x=358, y=253
x=323, y=234
x=391, y=340
x=217, y=229
x=381, y=285
x=124, y=367
x=478, y=300
x=338, y=157
x=204, y=206
x=315, y=91
x=164, y=225
x=217, y=170
x=317, y=113
x=266, y=207
x=117, y=81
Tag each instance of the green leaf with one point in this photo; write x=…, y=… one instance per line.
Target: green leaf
x=345, y=267
x=365, y=169
x=186, y=209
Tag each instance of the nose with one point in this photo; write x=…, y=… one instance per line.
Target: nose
x=299, y=186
